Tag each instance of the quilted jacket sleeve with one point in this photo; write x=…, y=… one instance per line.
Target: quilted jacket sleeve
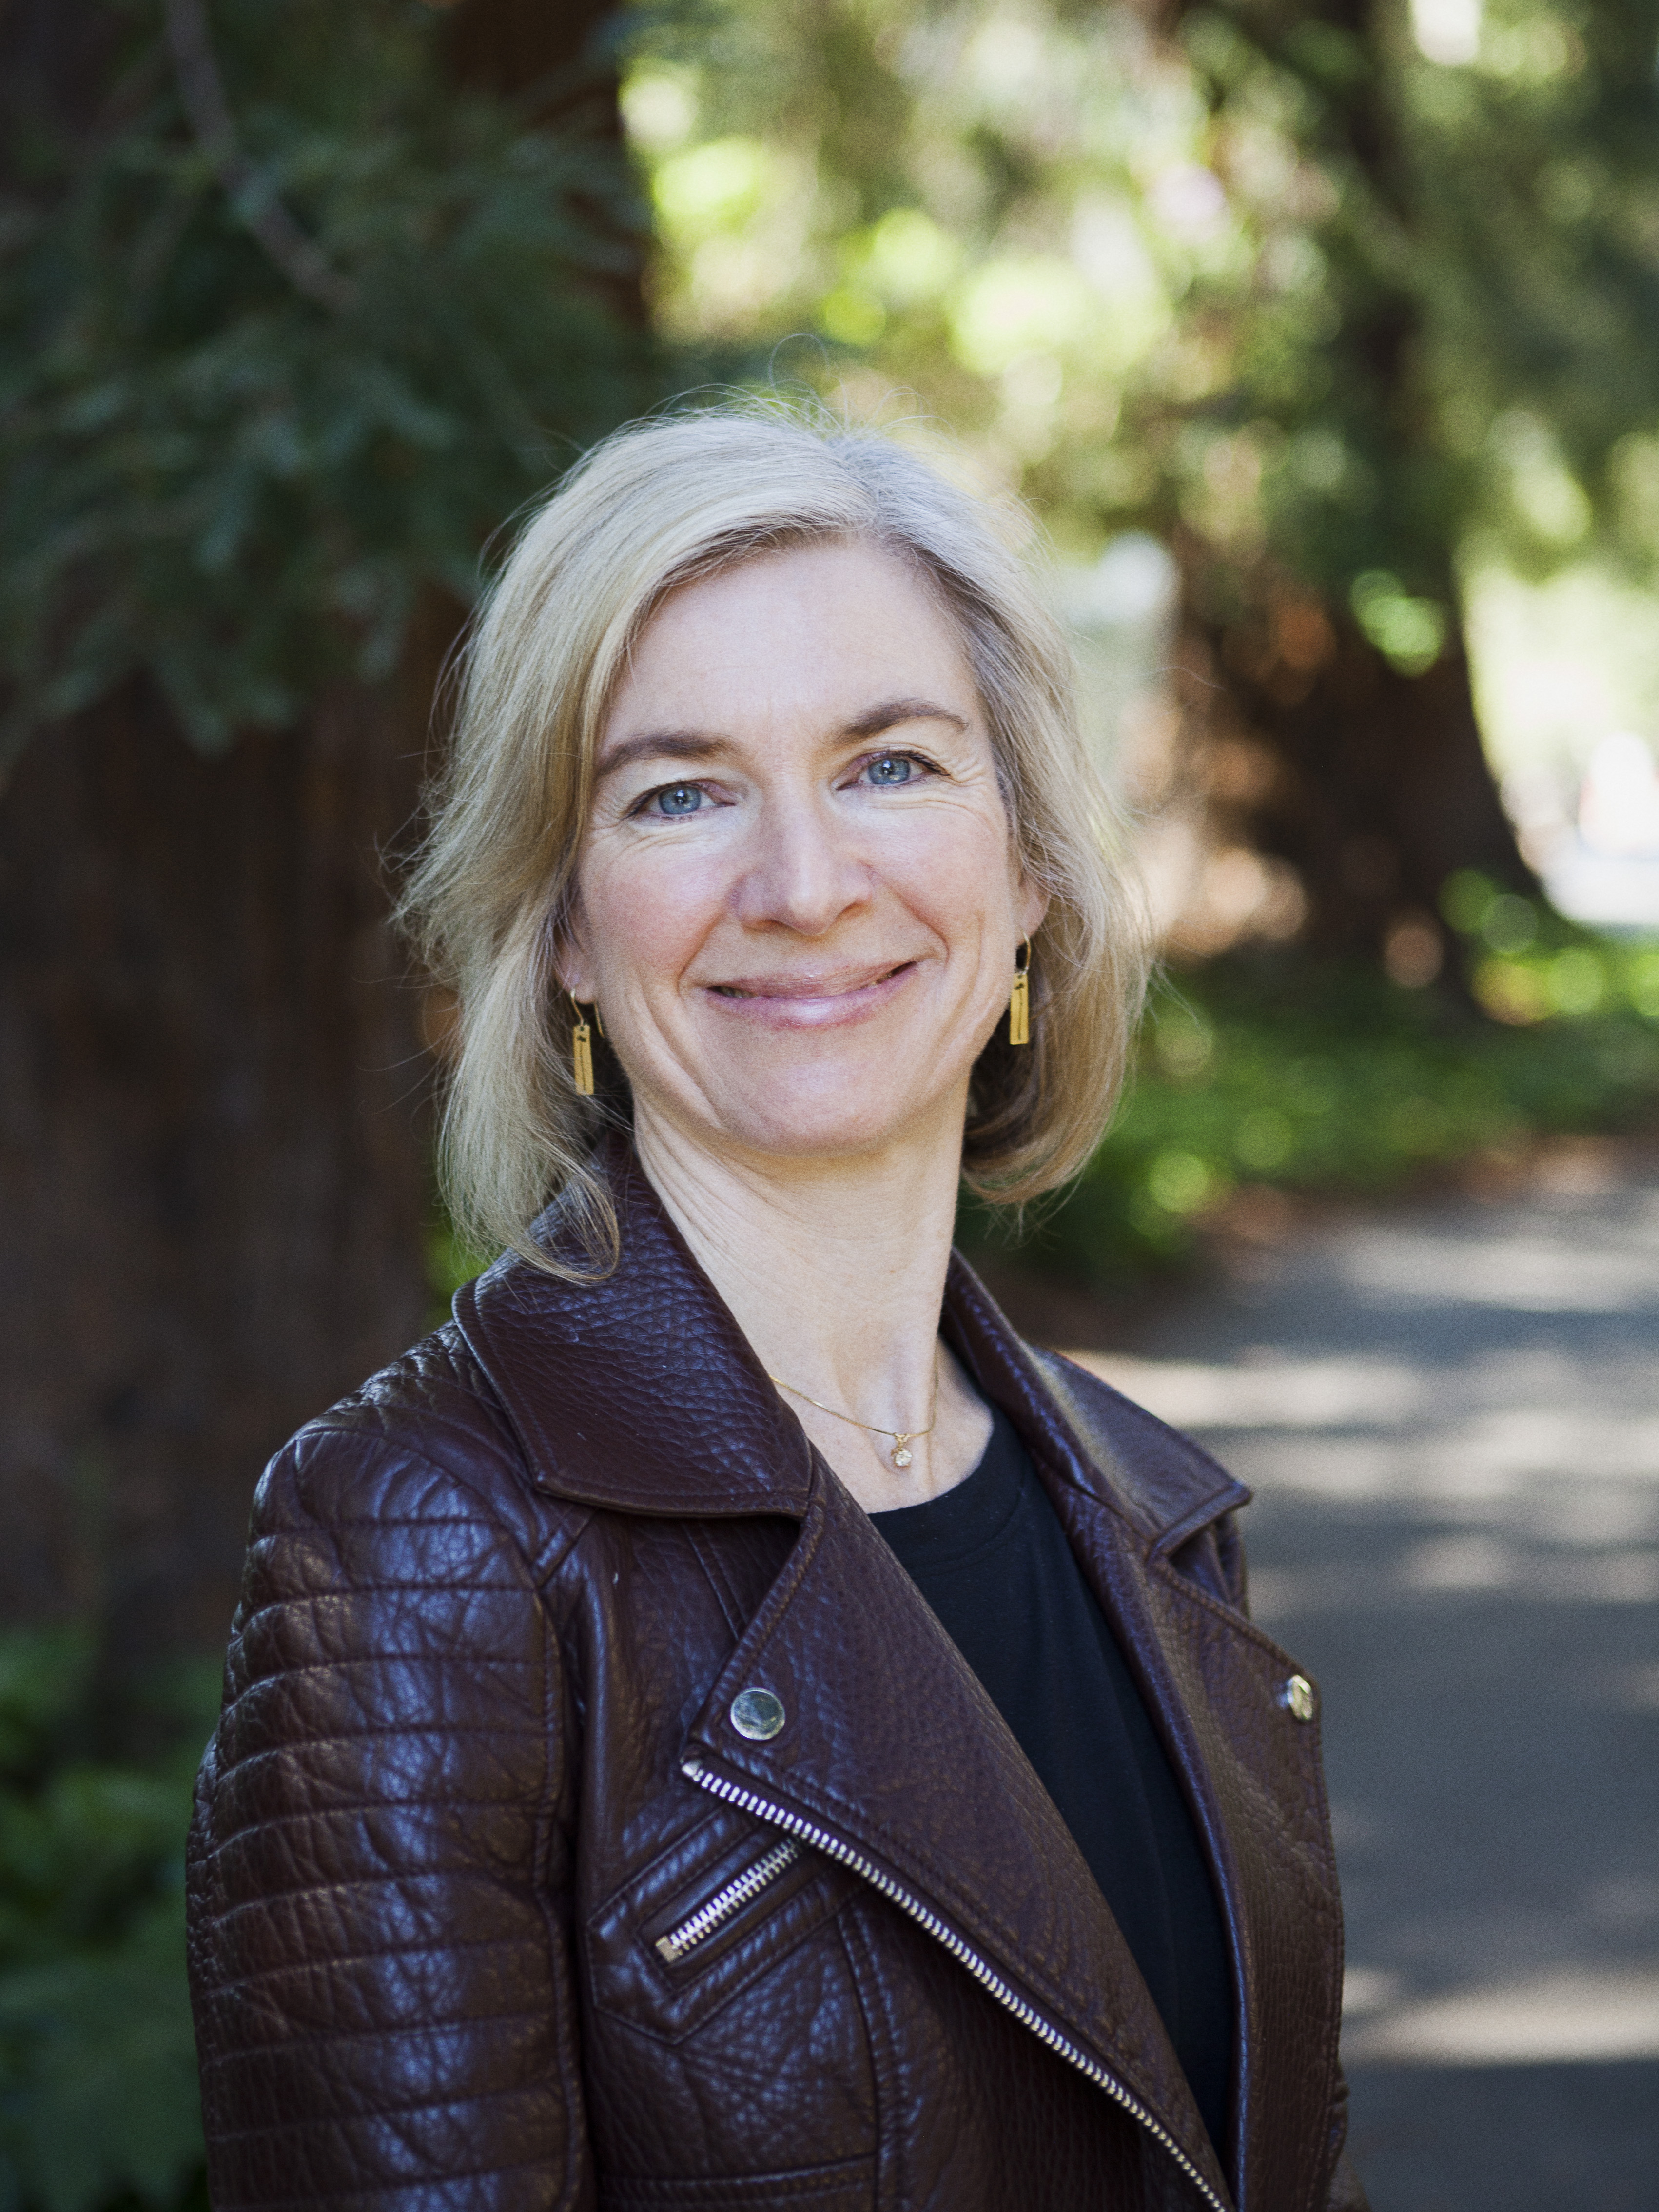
x=380, y=1968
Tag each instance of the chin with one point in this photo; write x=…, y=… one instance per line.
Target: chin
x=817, y=1121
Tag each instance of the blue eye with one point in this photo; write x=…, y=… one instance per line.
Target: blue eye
x=677, y=799
x=892, y=768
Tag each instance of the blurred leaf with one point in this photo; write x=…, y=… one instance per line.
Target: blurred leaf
x=206, y=476
x=44, y=1676
x=98, y=2095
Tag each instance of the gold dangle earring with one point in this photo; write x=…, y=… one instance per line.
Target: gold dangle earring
x=1019, y=1001
x=581, y=1051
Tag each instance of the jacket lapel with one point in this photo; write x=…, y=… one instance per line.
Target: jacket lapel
x=1256, y=1775
x=1129, y=1492
x=636, y=1391
x=889, y=1747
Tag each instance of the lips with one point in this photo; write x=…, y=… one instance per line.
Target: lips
x=822, y=1000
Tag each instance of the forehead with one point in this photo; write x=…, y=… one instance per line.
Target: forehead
x=807, y=625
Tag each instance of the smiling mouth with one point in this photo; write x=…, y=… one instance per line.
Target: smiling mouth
x=813, y=1001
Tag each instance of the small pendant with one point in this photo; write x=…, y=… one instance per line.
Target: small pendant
x=902, y=1456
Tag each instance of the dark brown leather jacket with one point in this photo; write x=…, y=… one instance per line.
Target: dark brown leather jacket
x=504, y=1896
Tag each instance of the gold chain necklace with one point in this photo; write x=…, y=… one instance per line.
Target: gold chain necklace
x=902, y=1438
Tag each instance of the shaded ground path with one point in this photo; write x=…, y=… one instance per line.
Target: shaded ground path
x=1450, y=1417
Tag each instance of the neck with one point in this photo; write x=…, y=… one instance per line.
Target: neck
x=834, y=1270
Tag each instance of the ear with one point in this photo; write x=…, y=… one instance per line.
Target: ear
x=570, y=962
x=1030, y=904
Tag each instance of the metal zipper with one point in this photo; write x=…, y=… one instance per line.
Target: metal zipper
x=820, y=1840
x=725, y=1902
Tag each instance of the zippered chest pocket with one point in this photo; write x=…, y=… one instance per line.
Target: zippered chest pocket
x=718, y=1908
x=731, y=1899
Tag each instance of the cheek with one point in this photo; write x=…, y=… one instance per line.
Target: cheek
x=644, y=921
x=956, y=869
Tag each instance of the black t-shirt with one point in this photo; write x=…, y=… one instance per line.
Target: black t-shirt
x=992, y=1561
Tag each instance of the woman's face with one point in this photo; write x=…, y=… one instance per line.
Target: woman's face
x=798, y=901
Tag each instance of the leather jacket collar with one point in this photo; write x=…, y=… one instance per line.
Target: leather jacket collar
x=638, y=1392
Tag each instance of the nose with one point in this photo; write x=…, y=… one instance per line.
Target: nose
x=801, y=871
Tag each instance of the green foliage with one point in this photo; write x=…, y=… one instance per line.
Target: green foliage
x=1271, y=280
x=211, y=476
x=1525, y=964
x=449, y=1263
x=1480, y=362
x=1538, y=219
x=98, y=2098
x=1263, y=1073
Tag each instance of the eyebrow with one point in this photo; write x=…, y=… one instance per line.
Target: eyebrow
x=700, y=745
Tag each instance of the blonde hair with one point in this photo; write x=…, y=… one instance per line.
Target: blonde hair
x=654, y=506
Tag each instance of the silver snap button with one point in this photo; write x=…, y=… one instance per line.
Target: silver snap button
x=1298, y=1698
x=757, y=1714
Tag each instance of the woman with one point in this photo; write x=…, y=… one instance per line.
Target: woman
x=722, y=1722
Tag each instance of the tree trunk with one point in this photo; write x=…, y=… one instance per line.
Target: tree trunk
x=213, y=1159
x=550, y=59
x=1372, y=785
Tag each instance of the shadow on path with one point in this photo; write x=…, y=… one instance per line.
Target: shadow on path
x=1450, y=1415
x=1507, y=2138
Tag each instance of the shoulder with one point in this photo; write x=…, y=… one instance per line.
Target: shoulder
x=425, y=1439
x=1171, y=1484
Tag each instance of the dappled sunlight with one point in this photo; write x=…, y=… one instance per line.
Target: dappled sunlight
x=1289, y=1394
x=1450, y=1417
x=1573, y=2014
